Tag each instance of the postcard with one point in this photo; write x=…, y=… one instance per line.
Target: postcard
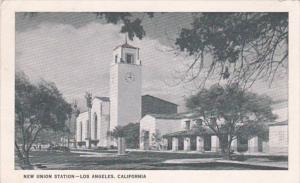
x=150, y=91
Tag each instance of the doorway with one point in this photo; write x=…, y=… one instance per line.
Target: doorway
x=207, y=143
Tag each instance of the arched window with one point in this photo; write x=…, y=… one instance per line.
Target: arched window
x=96, y=125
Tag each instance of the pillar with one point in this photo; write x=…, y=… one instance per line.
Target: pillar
x=121, y=146
x=215, y=144
x=265, y=147
x=234, y=145
x=253, y=145
x=200, y=144
x=187, y=144
x=144, y=140
x=174, y=143
x=164, y=144
x=87, y=143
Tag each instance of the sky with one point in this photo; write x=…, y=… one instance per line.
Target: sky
x=74, y=50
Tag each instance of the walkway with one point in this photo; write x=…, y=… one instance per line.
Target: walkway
x=257, y=162
x=94, y=154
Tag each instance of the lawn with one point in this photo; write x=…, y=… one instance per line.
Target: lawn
x=132, y=161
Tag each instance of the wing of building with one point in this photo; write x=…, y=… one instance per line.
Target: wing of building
x=161, y=127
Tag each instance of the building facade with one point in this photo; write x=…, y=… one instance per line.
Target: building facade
x=125, y=86
x=278, y=138
x=161, y=127
x=125, y=104
x=175, y=132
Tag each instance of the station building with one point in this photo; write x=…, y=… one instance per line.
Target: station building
x=161, y=127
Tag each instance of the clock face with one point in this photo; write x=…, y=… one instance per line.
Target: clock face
x=129, y=77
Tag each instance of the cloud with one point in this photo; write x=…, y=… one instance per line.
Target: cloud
x=78, y=59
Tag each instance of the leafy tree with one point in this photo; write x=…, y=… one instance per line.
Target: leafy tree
x=130, y=132
x=119, y=134
x=239, y=47
x=132, y=135
x=132, y=25
x=230, y=112
x=118, y=131
x=37, y=108
x=157, y=140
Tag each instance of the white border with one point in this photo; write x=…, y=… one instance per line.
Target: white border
x=8, y=8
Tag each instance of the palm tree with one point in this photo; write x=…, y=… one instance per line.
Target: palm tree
x=119, y=133
x=88, y=97
x=72, y=119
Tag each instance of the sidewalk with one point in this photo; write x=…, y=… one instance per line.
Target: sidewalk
x=270, y=164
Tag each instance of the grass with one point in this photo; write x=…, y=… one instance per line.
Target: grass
x=133, y=161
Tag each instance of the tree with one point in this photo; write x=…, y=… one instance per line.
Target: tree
x=132, y=25
x=88, y=98
x=74, y=115
x=157, y=140
x=119, y=134
x=230, y=112
x=37, y=108
x=118, y=131
x=131, y=133
x=239, y=47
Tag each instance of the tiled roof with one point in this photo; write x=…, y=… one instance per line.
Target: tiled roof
x=279, y=123
x=144, y=96
x=106, y=99
x=189, y=133
x=126, y=45
x=186, y=115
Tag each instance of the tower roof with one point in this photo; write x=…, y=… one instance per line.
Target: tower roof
x=126, y=45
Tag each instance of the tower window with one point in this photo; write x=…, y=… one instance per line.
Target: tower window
x=116, y=58
x=129, y=59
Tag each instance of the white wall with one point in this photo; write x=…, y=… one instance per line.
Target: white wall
x=121, y=52
x=168, y=125
x=125, y=96
x=278, y=139
x=147, y=123
x=113, y=92
x=164, y=126
x=101, y=109
x=82, y=118
x=105, y=120
x=95, y=111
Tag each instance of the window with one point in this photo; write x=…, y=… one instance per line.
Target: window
x=116, y=58
x=129, y=59
x=199, y=122
x=187, y=125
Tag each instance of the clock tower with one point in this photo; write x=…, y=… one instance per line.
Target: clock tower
x=125, y=86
